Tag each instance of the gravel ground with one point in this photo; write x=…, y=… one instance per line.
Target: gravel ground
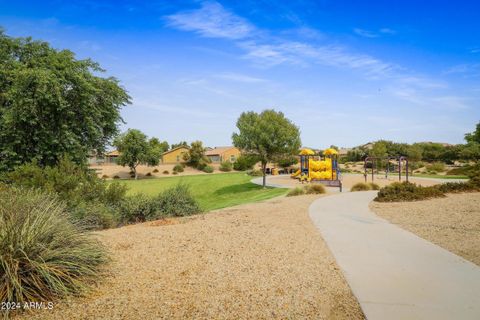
x=255, y=261
x=452, y=222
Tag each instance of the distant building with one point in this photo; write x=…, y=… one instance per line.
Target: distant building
x=175, y=155
x=221, y=154
x=111, y=157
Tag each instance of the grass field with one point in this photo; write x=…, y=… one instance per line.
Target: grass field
x=212, y=191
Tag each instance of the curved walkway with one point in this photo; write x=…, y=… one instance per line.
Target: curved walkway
x=393, y=273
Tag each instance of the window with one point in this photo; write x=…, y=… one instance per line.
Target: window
x=178, y=158
x=232, y=158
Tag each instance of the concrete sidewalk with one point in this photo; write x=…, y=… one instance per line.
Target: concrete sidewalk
x=393, y=273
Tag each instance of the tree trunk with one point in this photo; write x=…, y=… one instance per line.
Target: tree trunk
x=264, y=169
x=135, y=171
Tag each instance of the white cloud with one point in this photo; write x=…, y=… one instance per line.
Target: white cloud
x=388, y=31
x=240, y=78
x=365, y=33
x=212, y=20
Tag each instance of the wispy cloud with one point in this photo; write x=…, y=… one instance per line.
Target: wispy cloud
x=212, y=20
x=365, y=33
x=240, y=78
x=373, y=34
x=468, y=70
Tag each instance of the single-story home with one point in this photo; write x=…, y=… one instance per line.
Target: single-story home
x=111, y=157
x=220, y=154
x=174, y=156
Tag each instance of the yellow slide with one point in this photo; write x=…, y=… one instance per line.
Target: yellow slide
x=293, y=175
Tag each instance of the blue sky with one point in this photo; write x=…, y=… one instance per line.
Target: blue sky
x=346, y=72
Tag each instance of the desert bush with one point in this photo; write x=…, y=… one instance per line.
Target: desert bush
x=456, y=187
x=245, y=162
x=174, y=172
x=436, y=167
x=138, y=208
x=208, y=169
x=255, y=173
x=360, y=187
x=105, y=176
x=226, y=166
x=177, y=201
x=116, y=177
x=373, y=186
x=165, y=172
x=94, y=216
x=155, y=170
x=296, y=192
x=406, y=191
x=114, y=193
x=43, y=256
x=315, y=189
x=149, y=174
x=178, y=168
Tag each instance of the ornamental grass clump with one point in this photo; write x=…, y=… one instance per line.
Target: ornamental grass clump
x=315, y=189
x=43, y=256
x=360, y=187
x=296, y=192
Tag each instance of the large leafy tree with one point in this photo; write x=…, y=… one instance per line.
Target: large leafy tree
x=135, y=149
x=268, y=135
x=195, y=156
x=52, y=104
x=474, y=137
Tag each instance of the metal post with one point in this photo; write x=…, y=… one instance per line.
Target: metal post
x=406, y=169
x=365, y=169
x=400, y=169
x=373, y=169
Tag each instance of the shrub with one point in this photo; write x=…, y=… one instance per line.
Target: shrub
x=149, y=174
x=155, y=170
x=178, y=168
x=436, y=167
x=114, y=193
x=296, y=192
x=407, y=191
x=245, y=162
x=360, y=187
x=94, y=216
x=226, y=166
x=165, y=172
x=456, y=187
x=255, y=173
x=208, y=169
x=43, y=255
x=174, y=172
x=373, y=186
x=116, y=177
x=105, y=176
x=138, y=208
x=177, y=201
x=315, y=189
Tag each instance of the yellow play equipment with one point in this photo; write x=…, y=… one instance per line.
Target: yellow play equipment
x=319, y=168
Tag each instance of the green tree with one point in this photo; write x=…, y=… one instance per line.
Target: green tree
x=52, y=104
x=195, y=157
x=180, y=144
x=162, y=146
x=135, y=149
x=474, y=137
x=268, y=135
x=287, y=161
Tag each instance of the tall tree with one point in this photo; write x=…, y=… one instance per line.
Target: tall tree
x=180, y=144
x=52, y=104
x=268, y=135
x=135, y=149
x=195, y=156
x=474, y=137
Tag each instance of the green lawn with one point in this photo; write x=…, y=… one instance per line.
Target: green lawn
x=213, y=191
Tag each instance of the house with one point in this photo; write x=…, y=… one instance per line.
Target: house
x=174, y=156
x=111, y=157
x=220, y=154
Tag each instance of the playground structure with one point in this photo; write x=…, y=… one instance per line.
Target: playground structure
x=323, y=169
x=374, y=163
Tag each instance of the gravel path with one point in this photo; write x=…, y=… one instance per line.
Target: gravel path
x=452, y=222
x=256, y=261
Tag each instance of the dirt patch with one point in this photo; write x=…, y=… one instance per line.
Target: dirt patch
x=255, y=261
x=452, y=222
